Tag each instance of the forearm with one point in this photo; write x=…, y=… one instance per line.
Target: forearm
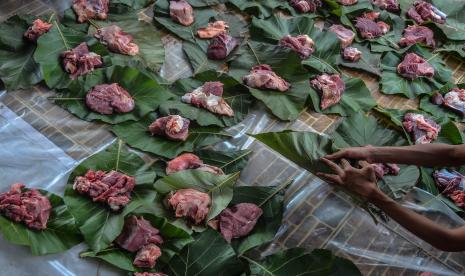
x=427, y=155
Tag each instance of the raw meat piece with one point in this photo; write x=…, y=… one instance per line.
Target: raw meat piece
x=330, y=88
x=437, y=99
x=347, y=2
x=422, y=130
x=79, y=61
x=188, y=161
x=213, y=29
x=109, y=98
x=221, y=46
x=414, y=66
x=458, y=197
x=370, y=29
x=239, y=220
x=29, y=207
x=149, y=274
x=112, y=188
x=190, y=203
x=454, y=99
x=136, y=233
x=414, y=34
x=382, y=169
x=90, y=9
x=305, y=6
x=422, y=11
x=372, y=15
x=116, y=40
x=209, y=97
x=37, y=29
x=449, y=181
x=173, y=127
x=301, y=44
x=351, y=54
x=346, y=36
x=390, y=5
x=262, y=76
x=181, y=11
x=147, y=256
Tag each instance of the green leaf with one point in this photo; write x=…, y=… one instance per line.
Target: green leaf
x=209, y=254
x=148, y=95
x=60, y=235
x=136, y=134
x=284, y=105
x=341, y=10
x=296, y=261
x=454, y=28
x=97, y=223
x=355, y=98
x=18, y=70
x=228, y=161
x=235, y=94
x=370, y=62
x=262, y=9
x=393, y=83
x=453, y=47
x=135, y=4
x=440, y=110
x=219, y=187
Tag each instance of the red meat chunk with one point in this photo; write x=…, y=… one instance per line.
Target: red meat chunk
x=382, y=169
x=173, y=127
x=351, y=54
x=239, y=220
x=414, y=66
x=262, y=77
x=112, y=188
x=458, y=197
x=449, y=181
x=422, y=130
x=109, y=98
x=210, y=97
x=190, y=203
x=301, y=44
x=346, y=36
x=347, y=2
x=116, y=40
x=221, y=46
x=305, y=6
x=29, y=207
x=147, y=256
x=213, y=29
x=136, y=233
x=390, y=5
x=330, y=88
x=79, y=61
x=181, y=11
x=417, y=34
x=188, y=161
x=422, y=11
x=454, y=100
x=37, y=29
x=91, y=9
x=370, y=29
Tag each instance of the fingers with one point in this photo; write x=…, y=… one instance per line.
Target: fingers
x=330, y=178
x=333, y=166
x=345, y=164
x=363, y=164
x=337, y=155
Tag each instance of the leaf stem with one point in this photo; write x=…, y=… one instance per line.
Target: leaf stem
x=278, y=189
x=391, y=42
x=94, y=24
x=62, y=36
x=51, y=16
x=433, y=56
x=253, y=51
x=118, y=154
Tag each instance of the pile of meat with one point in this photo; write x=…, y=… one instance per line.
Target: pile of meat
x=189, y=161
x=382, y=169
x=29, y=207
x=422, y=11
x=454, y=100
x=301, y=44
x=109, y=98
x=112, y=188
x=351, y=54
x=451, y=184
x=116, y=40
x=191, y=204
x=414, y=66
x=390, y=5
x=141, y=237
x=369, y=28
x=305, y=6
x=262, y=77
x=173, y=127
x=330, y=88
x=347, y=2
x=221, y=46
x=181, y=12
x=346, y=36
x=37, y=29
x=210, y=97
x=422, y=130
x=79, y=61
x=417, y=34
x=213, y=29
x=90, y=9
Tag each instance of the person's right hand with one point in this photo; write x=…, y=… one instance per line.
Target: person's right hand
x=357, y=153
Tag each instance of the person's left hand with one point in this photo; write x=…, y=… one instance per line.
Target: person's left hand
x=360, y=181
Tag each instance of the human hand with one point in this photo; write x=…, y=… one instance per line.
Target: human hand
x=358, y=153
x=361, y=181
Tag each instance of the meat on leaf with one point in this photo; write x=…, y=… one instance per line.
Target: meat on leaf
x=189, y=161
x=173, y=127
x=109, y=99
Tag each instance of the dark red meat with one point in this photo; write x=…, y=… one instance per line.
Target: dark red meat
x=382, y=169
x=417, y=34
x=455, y=100
x=147, y=256
x=109, y=98
x=422, y=130
x=448, y=181
x=29, y=207
x=112, y=188
x=173, y=127
x=213, y=29
x=136, y=233
x=262, y=77
x=414, y=66
x=221, y=46
x=301, y=44
x=210, y=97
x=181, y=11
x=422, y=11
x=330, y=88
x=116, y=40
x=189, y=161
x=79, y=61
x=347, y=2
x=190, y=203
x=305, y=6
x=390, y=5
x=239, y=220
x=90, y=9
x=370, y=29
x=37, y=29
x=346, y=36
x=351, y=54
x=458, y=197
